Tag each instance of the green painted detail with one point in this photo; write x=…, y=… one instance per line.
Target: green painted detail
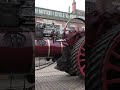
x=53, y=13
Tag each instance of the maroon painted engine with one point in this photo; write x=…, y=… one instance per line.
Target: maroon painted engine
x=46, y=44
x=47, y=48
x=16, y=52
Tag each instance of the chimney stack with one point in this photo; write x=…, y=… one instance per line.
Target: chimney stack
x=74, y=7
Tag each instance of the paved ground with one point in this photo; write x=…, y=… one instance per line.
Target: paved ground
x=52, y=79
x=16, y=82
x=42, y=63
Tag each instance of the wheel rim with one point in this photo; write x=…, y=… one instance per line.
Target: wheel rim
x=111, y=66
x=81, y=59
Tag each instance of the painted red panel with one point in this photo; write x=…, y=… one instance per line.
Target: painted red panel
x=16, y=59
x=49, y=49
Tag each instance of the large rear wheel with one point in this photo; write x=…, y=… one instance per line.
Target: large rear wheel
x=78, y=57
x=103, y=63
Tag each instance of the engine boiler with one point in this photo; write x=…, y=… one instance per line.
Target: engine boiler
x=47, y=48
x=16, y=52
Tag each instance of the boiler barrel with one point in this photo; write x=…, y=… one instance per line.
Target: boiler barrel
x=48, y=48
x=16, y=53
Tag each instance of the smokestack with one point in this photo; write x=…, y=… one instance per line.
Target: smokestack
x=74, y=7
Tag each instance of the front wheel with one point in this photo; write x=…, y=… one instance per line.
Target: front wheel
x=78, y=57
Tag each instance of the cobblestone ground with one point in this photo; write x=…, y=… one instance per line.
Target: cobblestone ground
x=16, y=82
x=52, y=79
x=41, y=63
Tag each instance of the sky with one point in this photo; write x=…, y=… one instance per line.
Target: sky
x=60, y=5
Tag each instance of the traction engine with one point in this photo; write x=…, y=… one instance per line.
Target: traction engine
x=103, y=47
x=17, y=38
x=45, y=43
x=51, y=45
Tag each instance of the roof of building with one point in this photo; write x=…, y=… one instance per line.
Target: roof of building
x=80, y=12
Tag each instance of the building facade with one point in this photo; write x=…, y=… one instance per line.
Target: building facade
x=59, y=18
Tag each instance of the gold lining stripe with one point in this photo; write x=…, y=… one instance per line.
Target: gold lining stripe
x=48, y=48
x=61, y=47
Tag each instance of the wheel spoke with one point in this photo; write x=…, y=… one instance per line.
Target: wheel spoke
x=82, y=60
x=83, y=48
x=115, y=54
x=83, y=67
x=111, y=66
x=82, y=70
x=112, y=81
x=82, y=54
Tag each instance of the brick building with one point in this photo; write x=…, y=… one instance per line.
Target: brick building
x=59, y=18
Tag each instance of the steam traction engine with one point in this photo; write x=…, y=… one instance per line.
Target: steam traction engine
x=17, y=38
x=63, y=48
x=45, y=45
x=103, y=47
